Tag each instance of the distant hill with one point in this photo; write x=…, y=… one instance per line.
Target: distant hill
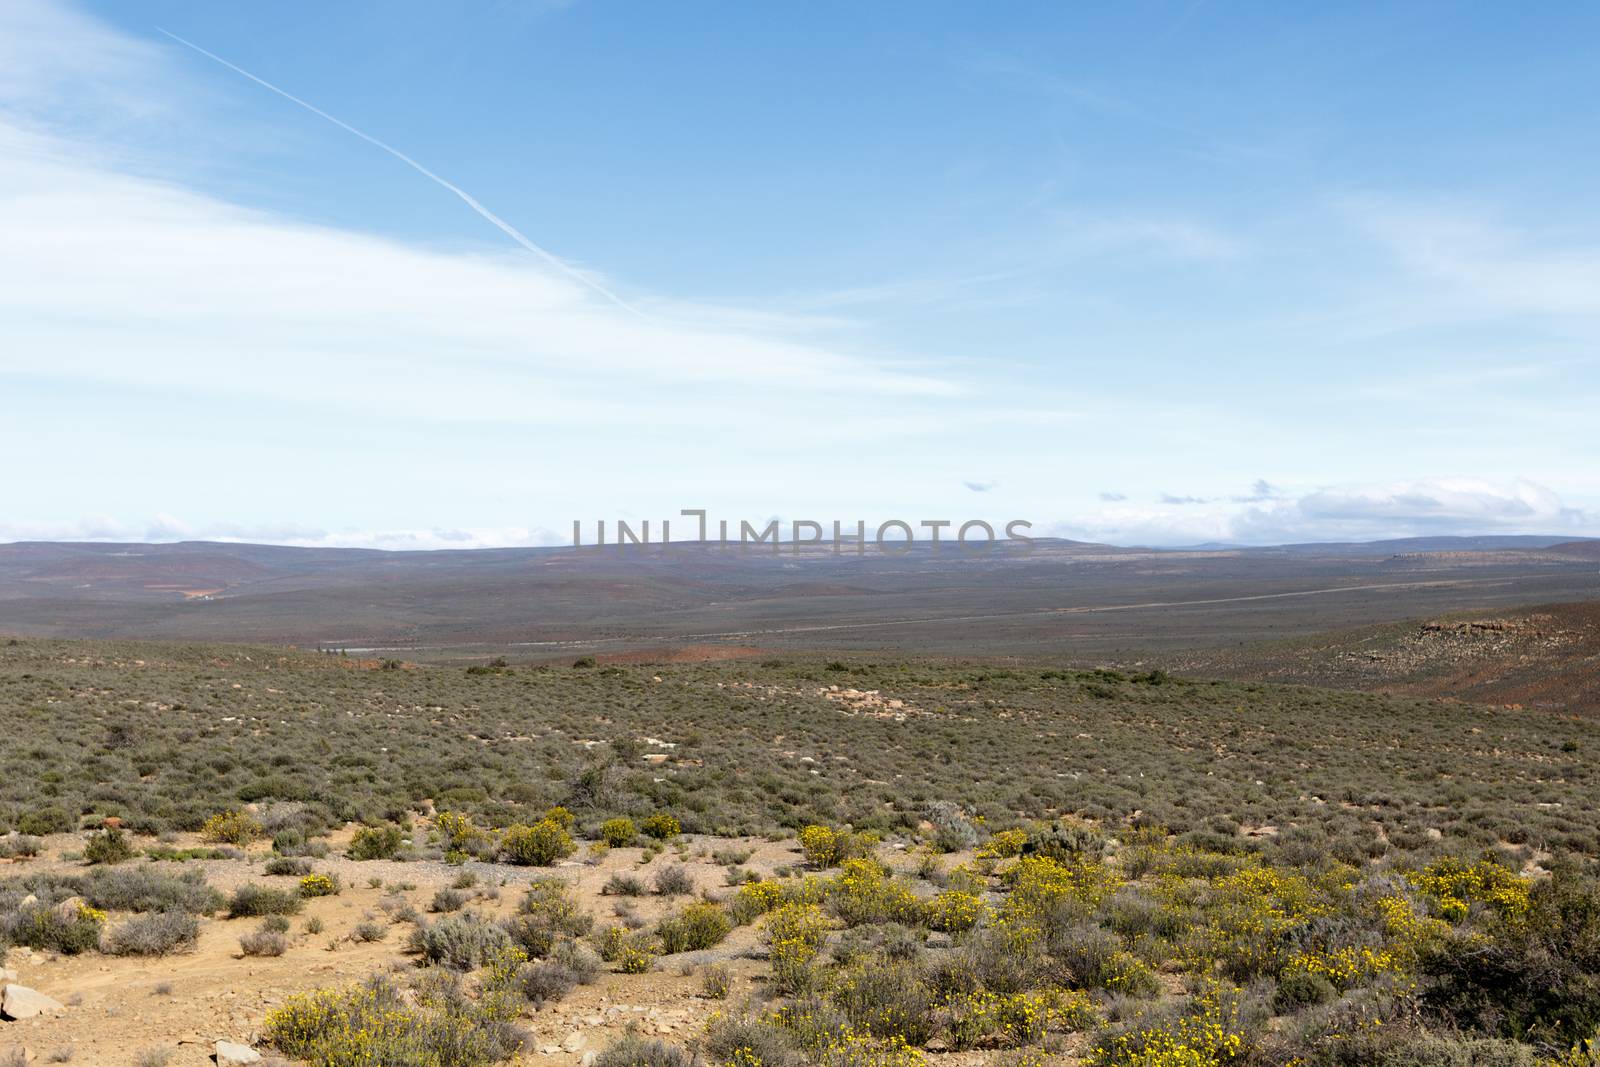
x=1579, y=549
x=1398, y=546
x=1061, y=600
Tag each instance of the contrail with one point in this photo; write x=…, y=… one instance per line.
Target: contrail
x=466, y=197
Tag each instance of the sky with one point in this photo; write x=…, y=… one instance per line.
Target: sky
x=1145, y=273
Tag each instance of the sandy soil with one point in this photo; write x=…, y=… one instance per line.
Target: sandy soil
x=117, y=1007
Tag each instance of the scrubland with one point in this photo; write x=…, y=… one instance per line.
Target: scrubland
x=792, y=862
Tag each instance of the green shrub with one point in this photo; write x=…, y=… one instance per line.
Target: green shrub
x=1065, y=842
x=716, y=981
x=674, y=881
x=19, y=845
x=737, y=1040
x=547, y=982
x=108, y=846
x=64, y=928
x=152, y=935
x=547, y=914
x=375, y=843
x=446, y=900
x=623, y=885
x=251, y=900
x=143, y=889
x=288, y=866
x=1301, y=989
x=462, y=941
x=43, y=821
x=695, y=928
x=886, y=999
x=633, y=1051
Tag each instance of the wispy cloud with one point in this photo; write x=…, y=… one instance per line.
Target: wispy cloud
x=1154, y=235
x=1501, y=267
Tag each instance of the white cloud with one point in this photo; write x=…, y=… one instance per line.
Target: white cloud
x=1274, y=515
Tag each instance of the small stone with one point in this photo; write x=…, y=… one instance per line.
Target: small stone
x=233, y=1054
x=574, y=1041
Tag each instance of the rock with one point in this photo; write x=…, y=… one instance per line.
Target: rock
x=20, y=1002
x=7, y=975
x=574, y=1041
x=232, y=1054
x=589, y=1058
x=68, y=910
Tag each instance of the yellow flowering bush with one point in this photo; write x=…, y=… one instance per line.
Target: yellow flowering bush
x=661, y=826
x=1211, y=1035
x=755, y=898
x=1016, y=1018
x=825, y=847
x=794, y=934
x=500, y=992
x=1039, y=884
x=1251, y=915
x=539, y=845
x=851, y=1049
x=1004, y=845
x=457, y=833
x=1408, y=932
x=372, y=1025
x=1123, y=972
x=830, y=1044
x=866, y=892
x=318, y=885
x=758, y=898
x=232, y=828
x=1452, y=886
x=1344, y=967
x=619, y=832
x=953, y=911
x=637, y=956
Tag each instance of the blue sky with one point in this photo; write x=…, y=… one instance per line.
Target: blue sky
x=1156, y=273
